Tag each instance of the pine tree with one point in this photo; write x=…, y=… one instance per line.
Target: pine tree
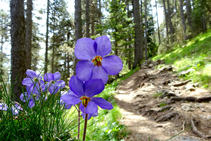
x=138, y=51
x=78, y=26
x=28, y=34
x=18, y=58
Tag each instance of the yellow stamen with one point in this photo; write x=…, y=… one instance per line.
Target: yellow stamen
x=85, y=100
x=97, y=60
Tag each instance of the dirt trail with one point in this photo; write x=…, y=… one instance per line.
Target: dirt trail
x=177, y=105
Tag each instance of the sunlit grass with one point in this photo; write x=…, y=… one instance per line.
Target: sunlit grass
x=195, y=54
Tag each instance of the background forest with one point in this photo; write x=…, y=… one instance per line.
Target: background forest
x=138, y=30
x=132, y=26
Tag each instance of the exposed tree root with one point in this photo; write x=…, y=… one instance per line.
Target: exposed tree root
x=191, y=99
x=181, y=83
x=164, y=108
x=195, y=130
x=167, y=117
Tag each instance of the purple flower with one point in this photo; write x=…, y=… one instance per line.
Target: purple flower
x=29, y=97
x=83, y=93
x=54, y=83
x=95, y=63
x=3, y=106
x=15, y=109
x=33, y=82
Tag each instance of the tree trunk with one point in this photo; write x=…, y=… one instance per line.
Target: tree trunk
x=46, y=40
x=145, y=3
x=18, y=58
x=142, y=29
x=93, y=20
x=182, y=18
x=53, y=44
x=170, y=23
x=157, y=22
x=78, y=26
x=28, y=34
x=188, y=7
x=166, y=19
x=138, y=51
x=87, y=18
x=129, y=61
x=100, y=16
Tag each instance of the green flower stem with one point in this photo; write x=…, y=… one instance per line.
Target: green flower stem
x=78, y=121
x=78, y=124
x=85, y=125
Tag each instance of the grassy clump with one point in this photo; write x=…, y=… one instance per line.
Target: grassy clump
x=196, y=55
x=156, y=95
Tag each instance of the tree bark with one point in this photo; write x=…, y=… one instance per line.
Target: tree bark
x=182, y=18
x=145, y=3
x=188, y=7
x=166, y=19
x=28, y=34
x=100, y=16
x=18, y=58
x=138, y=51
x=157, y=22
x=46, y=40
x=129, y=61
x=78, y=26
x=87, y=18
x=170, y=23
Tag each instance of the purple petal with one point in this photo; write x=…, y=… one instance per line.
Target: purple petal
x=25, y=97
x=15, y=111
x=112, y=64
x=89, y=115
x=31, y=73
x=35, y=89
x=48, y=77
x=31, y=103
x=27, y=81
x=84, y=70
x=67, y=106
x=90, y=109
x=71, y=92
x=18, y=107
x=84, y=49
x=53, y=89
x=76, y=85
x=103, y=45
x=93, y=87
x=3, y=106
x=70, y=99
x=57, y=76
x=100, y=73
x=60, y=84
x=102, y=103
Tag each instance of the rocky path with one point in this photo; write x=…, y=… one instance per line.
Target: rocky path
x=157, y=105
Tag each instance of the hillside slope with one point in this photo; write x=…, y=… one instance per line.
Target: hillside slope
x=157, y=103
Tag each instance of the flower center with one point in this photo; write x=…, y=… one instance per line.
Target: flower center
x=85, y=100
x=35, y=79
x=97, y=60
